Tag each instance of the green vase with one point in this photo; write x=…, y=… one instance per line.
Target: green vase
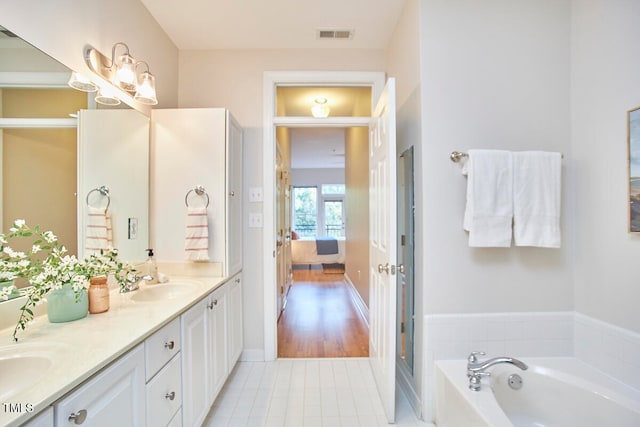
x=62, y=305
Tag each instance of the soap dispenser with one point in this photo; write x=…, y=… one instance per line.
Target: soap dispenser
x=151, y=268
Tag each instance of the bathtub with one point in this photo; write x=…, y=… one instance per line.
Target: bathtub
x=556, y=392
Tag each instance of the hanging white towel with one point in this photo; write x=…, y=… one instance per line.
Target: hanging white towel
x=196, y=245
x=536, y=198
x=98, y=231
x=489, y=211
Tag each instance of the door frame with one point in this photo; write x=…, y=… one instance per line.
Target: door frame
x=375, y=80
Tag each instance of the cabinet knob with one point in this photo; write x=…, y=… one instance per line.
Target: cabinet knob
x=170, y=396
x=212, y=304
x=169, y=345
x=232, y=193
x=78, y=417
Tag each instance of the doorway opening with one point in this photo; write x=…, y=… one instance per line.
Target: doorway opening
x=321, y=222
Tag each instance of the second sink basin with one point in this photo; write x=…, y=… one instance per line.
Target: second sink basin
x=163, y=291
x=21, y=367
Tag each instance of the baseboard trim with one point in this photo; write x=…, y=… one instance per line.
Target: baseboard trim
x=361, y=307
x=252, y=355
x=403, y=380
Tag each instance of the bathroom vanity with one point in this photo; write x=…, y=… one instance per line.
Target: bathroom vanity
x=133, y=364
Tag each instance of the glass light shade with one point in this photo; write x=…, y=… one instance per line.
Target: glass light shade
x=320, y=111
x=106, y=96
x=80, y=82
x=126, y=74
x=146, y=92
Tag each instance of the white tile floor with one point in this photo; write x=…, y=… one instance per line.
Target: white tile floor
x=304, y=393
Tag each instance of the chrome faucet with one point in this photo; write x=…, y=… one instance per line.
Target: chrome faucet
x=135, y=284
x=476, y=369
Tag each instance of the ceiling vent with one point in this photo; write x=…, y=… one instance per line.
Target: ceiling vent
x=335, y=34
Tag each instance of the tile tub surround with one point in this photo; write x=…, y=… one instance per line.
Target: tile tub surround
x=454, y=336
x=83, y=347
x=608, y=348
x=611, y=349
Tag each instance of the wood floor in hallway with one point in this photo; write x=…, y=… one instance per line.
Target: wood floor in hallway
x=320, y=319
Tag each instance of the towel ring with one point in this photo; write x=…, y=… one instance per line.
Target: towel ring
x=199, y=190
x=104, y=190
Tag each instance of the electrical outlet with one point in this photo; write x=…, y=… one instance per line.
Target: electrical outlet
x=255, y=220
x=255, y=194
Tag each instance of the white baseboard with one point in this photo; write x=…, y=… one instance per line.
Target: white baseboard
x=252, y=355
x=357, y=300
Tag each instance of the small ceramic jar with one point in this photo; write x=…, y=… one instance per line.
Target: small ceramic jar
x=98, y=295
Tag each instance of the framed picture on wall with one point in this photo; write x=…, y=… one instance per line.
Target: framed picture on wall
x=634, y=169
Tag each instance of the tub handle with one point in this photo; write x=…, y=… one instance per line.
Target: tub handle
x=473, y=357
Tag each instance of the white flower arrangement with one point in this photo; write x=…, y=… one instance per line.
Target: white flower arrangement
x=47, y=267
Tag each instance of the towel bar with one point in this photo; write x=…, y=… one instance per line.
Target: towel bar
x=456, y=156
x=199, y=190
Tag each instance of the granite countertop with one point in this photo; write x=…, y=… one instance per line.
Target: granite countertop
x=81, y=348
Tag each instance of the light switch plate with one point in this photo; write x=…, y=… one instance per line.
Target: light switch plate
x=255, y=220
x=255, y=194
x=133, y=228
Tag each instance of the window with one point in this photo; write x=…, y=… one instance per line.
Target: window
x=319, y=214
x=305, y=211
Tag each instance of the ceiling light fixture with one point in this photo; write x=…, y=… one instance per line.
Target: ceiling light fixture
x=320, y=110
x=121, y=73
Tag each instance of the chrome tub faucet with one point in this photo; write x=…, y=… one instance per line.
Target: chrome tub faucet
x=477, y=369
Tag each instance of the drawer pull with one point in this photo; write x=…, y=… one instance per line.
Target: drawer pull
x=170, y=396
x=212, y=304
x=169, y=345
x=78, y=417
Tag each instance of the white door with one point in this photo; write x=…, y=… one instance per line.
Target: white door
x=382, y=247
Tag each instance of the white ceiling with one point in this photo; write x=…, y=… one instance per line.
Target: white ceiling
x=313, y=148
x=275, y=24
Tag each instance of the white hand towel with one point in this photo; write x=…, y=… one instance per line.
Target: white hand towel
x=97, y=231
x=489, y=211
x=196, y=245
x=536, y=198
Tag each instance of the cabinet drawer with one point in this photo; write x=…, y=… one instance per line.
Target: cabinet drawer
x=160, y=347
x=164, y=394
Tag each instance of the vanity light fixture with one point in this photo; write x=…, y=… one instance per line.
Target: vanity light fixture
x=121, y=73
x=321, y=109
x=80, y=82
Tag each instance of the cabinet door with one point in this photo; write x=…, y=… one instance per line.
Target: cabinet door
x=234, y=197
x=195, y=369
x=218, y=339
x=235, y=320
x=114, y=397
x=43, y=419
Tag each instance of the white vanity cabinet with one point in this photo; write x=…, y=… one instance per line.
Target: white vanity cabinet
x=43, y=419
x=163, y=374
x=211, y=345
x=204, y=359
x=113, y=397
x=235, y=320
x=193, y=147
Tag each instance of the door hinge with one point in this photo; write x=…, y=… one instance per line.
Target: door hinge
x=402, y=328
x=403, y=240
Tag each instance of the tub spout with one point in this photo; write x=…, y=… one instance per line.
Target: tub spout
x=476, y=369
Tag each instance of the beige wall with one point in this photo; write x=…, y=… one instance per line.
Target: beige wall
x=605, y=69
x=39, y=181
x=357, y=209
x=234, y=79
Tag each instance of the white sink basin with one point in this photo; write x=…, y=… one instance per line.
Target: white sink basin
x=163, y=291
x=20, y=368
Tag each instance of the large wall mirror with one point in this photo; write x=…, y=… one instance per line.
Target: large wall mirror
x=57, y=147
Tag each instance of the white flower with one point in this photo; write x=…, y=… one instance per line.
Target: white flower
x=35, y=249
x=19, y=223
x=49, y=236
